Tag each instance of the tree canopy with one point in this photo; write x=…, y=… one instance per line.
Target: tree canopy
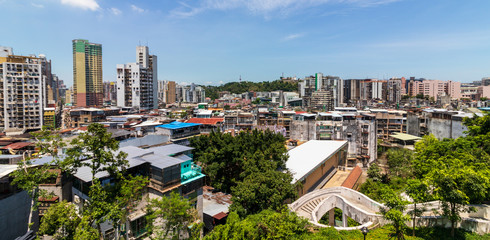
x=245, y=86
x=250, y=166
x=228, y=160
x=172, y=217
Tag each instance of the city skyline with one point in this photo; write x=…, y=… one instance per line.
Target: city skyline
x=213, y=42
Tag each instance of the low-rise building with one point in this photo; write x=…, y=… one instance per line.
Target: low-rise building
x=313, y=163
x=169, y=168
x=179, y=132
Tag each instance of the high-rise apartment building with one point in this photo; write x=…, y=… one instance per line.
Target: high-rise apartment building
x=434, y=88
x=137, y=86
x=110, y=93
x=394, y=90
x=171, y=92
x=22, y=92
x=87, y=73
x=148, y=61
x=334, y=85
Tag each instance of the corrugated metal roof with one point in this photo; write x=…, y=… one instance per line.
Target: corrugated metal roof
x=85, y=173
x=133, y=151
x=18, y=145
x=184, y=157
x=404, y=136
x=156, y=156
x=170, y=149
x=160, y=161
x=207, y=121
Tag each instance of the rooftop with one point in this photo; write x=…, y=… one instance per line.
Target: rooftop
x=404, y=136
x=160, y=157
x=305, y=158
x=17, y=145
x=206, y=121
x=6, y=169
x=177, y=125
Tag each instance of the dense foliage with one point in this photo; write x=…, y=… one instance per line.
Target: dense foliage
x=228, y=160
x=172, y=217
x=60, y=221
x=287, y=225
x=241, y=87
x=113, y=202
x=249, y=165
x=262, y=190
x=264, y=225
x=453, y=171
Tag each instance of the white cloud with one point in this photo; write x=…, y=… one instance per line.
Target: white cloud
x=37, y=5
x=137, y=9
x=266, y=7
x=83, y=4
x=292, y=36
x=115, y=11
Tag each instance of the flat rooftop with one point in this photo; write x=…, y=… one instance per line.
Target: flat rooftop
x=177, y=125
x=307, y=157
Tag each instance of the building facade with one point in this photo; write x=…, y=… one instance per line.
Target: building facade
x=136, y=83
x=22, y=92
x=332, y=85
x=87, y=73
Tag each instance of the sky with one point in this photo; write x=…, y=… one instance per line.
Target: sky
x=212, y=42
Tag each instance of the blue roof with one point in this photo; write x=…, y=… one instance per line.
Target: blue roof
x=178, y=125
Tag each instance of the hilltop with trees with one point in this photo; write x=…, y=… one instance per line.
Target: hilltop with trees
x=241, y=87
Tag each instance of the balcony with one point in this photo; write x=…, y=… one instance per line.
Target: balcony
x=193, y=174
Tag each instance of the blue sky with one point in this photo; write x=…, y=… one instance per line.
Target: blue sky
x=216, y=41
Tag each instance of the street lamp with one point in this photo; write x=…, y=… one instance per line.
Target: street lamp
x=364, y=231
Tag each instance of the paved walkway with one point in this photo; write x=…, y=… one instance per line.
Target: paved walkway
x=337, y=179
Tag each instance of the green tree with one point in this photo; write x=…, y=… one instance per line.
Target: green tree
x=374, y=172
x=125, y=197
x=245, y=86
x=262, y=190
x=172, y=217
x=29, y=176
x=393, y=211
x=419, y=192
x=455, y=189
x=97, y=145
x=477, y=125
x=60, y=221
x=228, y=160
x=97, y=150
x=400, y=162
x=86, y=231
x=267, y=224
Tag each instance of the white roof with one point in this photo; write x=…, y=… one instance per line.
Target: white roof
x=6, y=169
x=148, y=123
x=305, y=158
x=205, y=112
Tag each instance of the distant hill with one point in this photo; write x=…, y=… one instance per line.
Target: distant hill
x=241, y=87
